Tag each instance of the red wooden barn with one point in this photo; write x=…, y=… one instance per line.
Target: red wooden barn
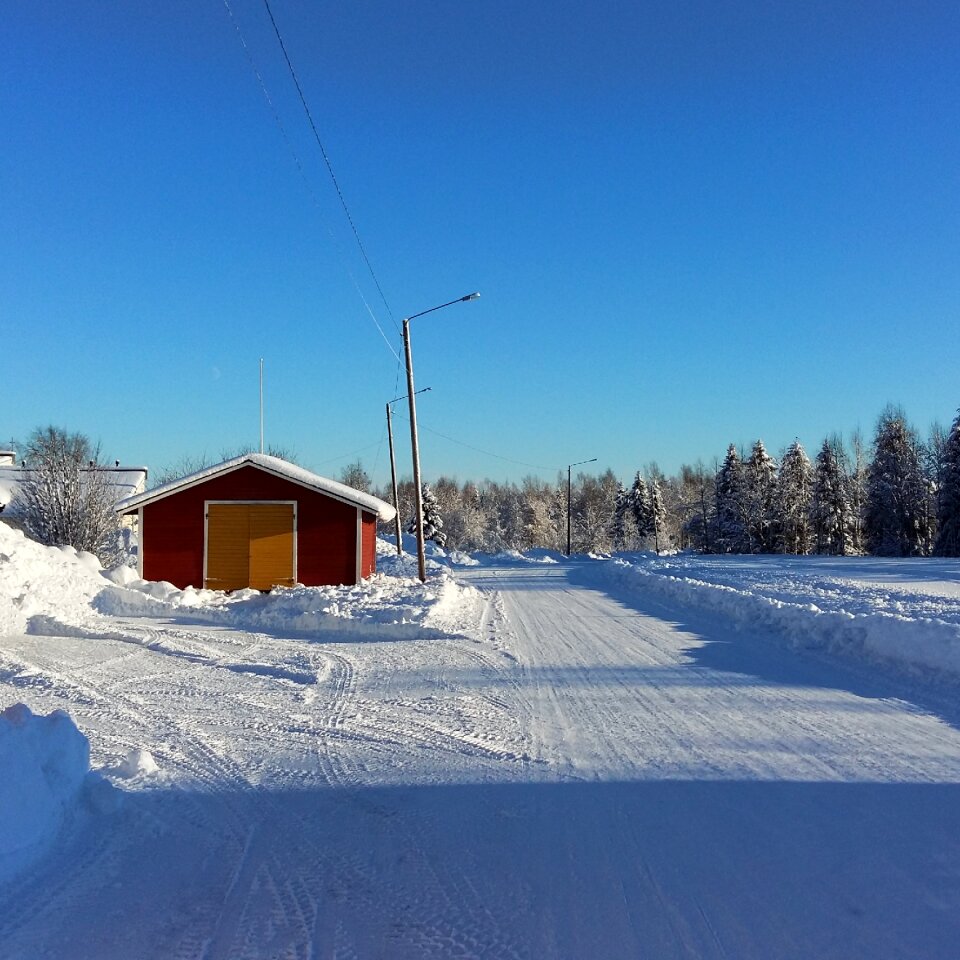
x=256, y=521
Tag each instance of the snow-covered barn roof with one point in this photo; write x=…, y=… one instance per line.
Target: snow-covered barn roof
x=274, y=465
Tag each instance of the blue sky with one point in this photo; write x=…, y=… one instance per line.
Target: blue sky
x=691, y=224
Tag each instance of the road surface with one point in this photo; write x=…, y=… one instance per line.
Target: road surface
x=580, y=774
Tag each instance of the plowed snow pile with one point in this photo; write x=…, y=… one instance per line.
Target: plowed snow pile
x=40, y=580
x=58, y=592
x=906, y=612
x=43, y=764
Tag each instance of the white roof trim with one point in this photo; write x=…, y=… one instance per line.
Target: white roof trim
x=275, y=466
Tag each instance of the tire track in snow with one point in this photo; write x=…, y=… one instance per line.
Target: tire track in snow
x=216, y=778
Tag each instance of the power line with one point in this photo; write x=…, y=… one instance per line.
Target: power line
x=326, y=160
x=344, y=456
x=304, y=178
x=486, y=453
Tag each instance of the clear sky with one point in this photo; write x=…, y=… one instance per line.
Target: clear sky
x=692, y=223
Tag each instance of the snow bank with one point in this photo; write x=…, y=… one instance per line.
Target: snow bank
x=35, y=579
x=846, y=609
x=516, y=557
x=60, y=592
x=391, y=605
x=43, y=764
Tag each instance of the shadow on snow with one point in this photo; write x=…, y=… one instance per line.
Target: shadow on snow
x=666, y=869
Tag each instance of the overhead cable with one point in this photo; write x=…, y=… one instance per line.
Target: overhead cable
x=486, y=453
x=344, y=456
x=304, y=178
x=326, y=160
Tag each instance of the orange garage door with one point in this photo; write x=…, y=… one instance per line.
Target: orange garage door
x=249, y=545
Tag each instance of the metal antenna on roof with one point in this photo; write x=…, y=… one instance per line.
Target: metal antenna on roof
x=261, y=404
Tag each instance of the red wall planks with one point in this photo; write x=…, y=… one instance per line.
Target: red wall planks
x=171, y=536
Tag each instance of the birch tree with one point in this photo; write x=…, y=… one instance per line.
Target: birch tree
x=65, y=496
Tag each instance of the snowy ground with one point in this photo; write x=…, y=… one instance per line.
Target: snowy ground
x=686, y=757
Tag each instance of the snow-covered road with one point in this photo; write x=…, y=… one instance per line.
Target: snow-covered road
x=577, y=772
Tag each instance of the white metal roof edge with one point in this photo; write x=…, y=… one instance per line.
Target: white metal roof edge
x=277, y=467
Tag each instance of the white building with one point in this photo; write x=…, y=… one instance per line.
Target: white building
x=123, y=481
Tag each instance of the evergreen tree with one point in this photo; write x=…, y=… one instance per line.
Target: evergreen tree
x=432, y=521
x=948, y=496
x=760, y=483
x=558, y=517
x=732, y=532
x=640, y=508
x=618, y=528
x=658, y=514
x=829, y=504
x=793, y=498
x=897, y=521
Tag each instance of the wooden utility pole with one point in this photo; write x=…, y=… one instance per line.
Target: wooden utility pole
x=393, y=482
x=415, y=447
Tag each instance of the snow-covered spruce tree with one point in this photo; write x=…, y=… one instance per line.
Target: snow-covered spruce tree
x=830, y=510
x=65, y=496
x=558, y=517
x=760, y=483
x=793, y=496
x=658, y=515
x=640, y=509
x=432, y=521
x=897, y=521
x=618, y=526
x=732, y=533
x=948, y=496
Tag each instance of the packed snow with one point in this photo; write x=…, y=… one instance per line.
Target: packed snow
x=526, y=756
x=904, y=612
x=43, y=764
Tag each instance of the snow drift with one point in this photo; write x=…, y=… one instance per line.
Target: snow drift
x=43, y=765
x=911, y=620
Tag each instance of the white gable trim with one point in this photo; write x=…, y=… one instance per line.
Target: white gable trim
x=275, y=467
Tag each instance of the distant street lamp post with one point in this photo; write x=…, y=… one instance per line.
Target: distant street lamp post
x=414, y=445
x=393, y=470
x=569, y=495
x=393, y=484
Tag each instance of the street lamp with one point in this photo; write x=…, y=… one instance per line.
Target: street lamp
x=415, y=447
x=569, y=468
x=393, y=470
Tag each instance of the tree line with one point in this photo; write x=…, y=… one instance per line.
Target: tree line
x=899, y=496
